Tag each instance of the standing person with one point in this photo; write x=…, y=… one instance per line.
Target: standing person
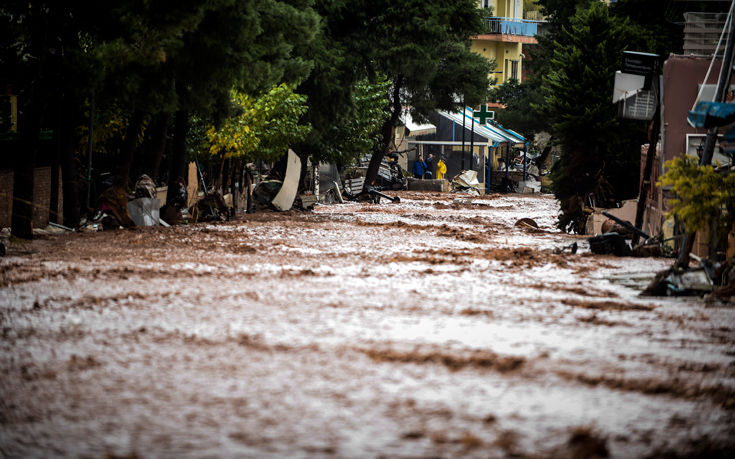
x=429, y=166
x=419, y=167
x=441, y=168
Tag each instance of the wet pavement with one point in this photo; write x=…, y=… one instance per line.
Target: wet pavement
x=432, y=327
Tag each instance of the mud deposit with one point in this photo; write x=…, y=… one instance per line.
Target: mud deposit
x=433, y=327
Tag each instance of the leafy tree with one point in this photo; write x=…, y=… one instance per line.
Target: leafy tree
x=246, y=45
x=31, y=61
x=705, y=199
x=423, y=50
x=558, y=12
x=600, y=153
x=663, y=34
x=523, y=101
x=520, y=101
x=356, y=134
x=420, y=48
x=263, y=128
x=531, y=5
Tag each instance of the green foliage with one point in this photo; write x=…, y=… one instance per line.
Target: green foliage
x=663, y=34
x=705, y=199
x=520, y=101
x=600, y=153
x=531, y=5
x=250, y=46
x=349, y=137
x=420, y=48
x=558, y=12
x=423, y=47
x=263, y=128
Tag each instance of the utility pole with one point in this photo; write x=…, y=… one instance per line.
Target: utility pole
x=472, y=141
x=709, y=146
x=464, y=115
x=652, y=145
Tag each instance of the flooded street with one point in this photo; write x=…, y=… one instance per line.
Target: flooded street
x=432, y=327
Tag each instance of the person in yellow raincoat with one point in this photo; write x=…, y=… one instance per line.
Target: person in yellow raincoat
x=441, y=169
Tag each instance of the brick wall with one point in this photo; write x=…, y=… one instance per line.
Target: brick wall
x=6, y=197
x=41, y=197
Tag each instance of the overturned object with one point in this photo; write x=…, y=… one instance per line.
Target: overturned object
x=211, y=208
x=144, y=211
x=113, y=203
x=376, y=195
x=572, y=248
x=679, y=282
x=526, y=222
x=145, y=187
x=305, y=201
x=466, y=182
x=265, y=191
x=609, y=244
x=286, y=195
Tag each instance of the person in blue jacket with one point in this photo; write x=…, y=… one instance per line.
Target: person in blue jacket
x=419, y=167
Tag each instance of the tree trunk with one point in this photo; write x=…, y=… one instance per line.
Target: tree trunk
x=248, y=182
x=34, y=106
x=23, y=183
x=646, y=179
x=234, y=186
x=387, y=137
x=157, y=143
x=220, y=176
x=56, y=214
x=69, y=170
x=127, y=150
x=178, y=162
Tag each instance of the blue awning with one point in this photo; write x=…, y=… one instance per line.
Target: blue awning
x=493, y=132
x=711, y=114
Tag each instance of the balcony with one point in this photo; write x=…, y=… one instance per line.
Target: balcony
x=511, y=26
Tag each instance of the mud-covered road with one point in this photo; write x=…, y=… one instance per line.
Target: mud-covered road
x=433, y=327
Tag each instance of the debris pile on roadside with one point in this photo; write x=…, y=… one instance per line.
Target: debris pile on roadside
x=466, y=182
x=613, y=240
x=715, y=281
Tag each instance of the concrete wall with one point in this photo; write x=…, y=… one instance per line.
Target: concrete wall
x=681, y=77
x=503, y=53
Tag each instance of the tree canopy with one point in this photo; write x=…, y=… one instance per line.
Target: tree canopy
x=423, y=49
x=600, y=155
x=142, y=72
x=568, y=96
x=262, y=128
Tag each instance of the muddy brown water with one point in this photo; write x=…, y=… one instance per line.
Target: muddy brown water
x=433, y=327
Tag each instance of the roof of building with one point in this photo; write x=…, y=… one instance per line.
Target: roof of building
x=491, y=131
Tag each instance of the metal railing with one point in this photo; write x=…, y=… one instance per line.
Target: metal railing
x=511, y=26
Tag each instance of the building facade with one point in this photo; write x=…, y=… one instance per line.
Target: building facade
x=505, y=34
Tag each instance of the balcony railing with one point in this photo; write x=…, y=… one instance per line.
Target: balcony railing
x=511, y=26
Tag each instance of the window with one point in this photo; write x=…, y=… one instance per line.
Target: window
x=514, y=70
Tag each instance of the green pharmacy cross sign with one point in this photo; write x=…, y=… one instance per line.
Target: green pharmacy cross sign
x=483, y=114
